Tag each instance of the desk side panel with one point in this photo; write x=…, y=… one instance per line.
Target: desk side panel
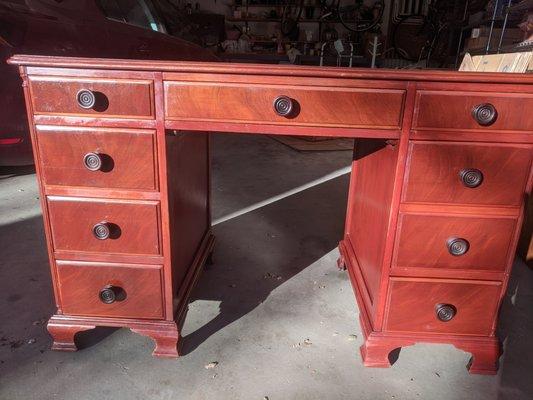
x=371, y=198
x=188, y=195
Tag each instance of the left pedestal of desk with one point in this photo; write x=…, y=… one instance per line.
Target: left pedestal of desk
x=125, y=205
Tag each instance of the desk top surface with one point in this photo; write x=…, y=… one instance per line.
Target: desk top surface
x=268, y=69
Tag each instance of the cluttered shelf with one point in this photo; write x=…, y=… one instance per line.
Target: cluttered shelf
x=436, y=40
x=303, y=21
x=264, y=5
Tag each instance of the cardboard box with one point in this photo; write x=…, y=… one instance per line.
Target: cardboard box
x=503, y=62
x=480, y=37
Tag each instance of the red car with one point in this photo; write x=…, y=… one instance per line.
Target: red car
x=84, y=28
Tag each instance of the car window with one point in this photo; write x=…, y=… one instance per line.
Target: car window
x=140, y=13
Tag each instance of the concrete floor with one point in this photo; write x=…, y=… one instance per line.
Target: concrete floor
x=273, y=311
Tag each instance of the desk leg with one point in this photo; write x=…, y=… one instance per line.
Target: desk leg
x=63, y=333
x=485, y=355
x=166, y=340
x=376, y=350
x=341, y=263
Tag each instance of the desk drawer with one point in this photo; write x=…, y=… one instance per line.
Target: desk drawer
x=311, y=106
x=459, y=173
x=473, y=110
x=104, y=158
x=105, y=226
x=446, y=241
x=424, y=305
x=118, y=98
x=110, y=290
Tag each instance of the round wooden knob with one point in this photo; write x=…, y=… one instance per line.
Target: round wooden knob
x=283, y=106
x=445, y=312
x=86, y=99
x=485, y=114
x=109, y=294
x=457, y=246
x=101, y=231
x=92, y=161
x=471, y=177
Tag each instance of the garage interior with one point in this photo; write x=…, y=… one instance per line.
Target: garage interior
x=272, y=317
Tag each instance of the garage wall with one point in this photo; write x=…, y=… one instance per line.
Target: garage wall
x=220, y=7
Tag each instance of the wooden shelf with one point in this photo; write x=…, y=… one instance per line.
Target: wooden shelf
x=265, y=5
x=505, y=49
x=231, y=19
x=524, y=5
x=302, y=21
x=284, y=41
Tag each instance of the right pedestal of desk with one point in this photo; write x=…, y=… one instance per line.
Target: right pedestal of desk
x=433, y=222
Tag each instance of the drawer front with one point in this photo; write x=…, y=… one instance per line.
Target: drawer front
x=428, y=241
x=312, y=106
x=442, y=306
x=110, y=290
x=467, y=174
x=455, y=110
x=105, y=158
x=112, y=97
x=131, y=227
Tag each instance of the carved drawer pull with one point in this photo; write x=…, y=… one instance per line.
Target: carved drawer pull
x=471, y=177
x=93, y=161
x=101, y=231
x=457, y=246
x=109, y=294
x=485, y=114
x=283, y=106
x=445, y=312
x=86, y=99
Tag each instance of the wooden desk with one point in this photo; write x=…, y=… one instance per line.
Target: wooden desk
x=441, y=167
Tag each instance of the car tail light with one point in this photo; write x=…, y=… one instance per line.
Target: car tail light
x=7, y=141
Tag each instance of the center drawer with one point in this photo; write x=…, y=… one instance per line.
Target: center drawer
x=104, y=226
x=452, y=241
x=110, y=290
x=98, y=157
x=306, y=106
x=442, y=306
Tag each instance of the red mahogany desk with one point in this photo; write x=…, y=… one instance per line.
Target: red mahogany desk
x=441, y=168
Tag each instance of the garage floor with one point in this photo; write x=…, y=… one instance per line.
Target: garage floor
x=273, y=311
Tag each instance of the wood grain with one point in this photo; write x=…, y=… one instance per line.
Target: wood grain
x=128, y=157
x=453, y=110
x=80, y=284
x=433, y=173
x=405, y=197
x=411, y=306
x=316, y=106
x=422, y=241
x=51, y=95
x=84, y=63
x=136, y=225
x=188, y=183
x=369, y=210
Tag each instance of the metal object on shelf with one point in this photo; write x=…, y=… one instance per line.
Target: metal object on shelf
x=506, y=19
x=508, y=8
x=340, y=56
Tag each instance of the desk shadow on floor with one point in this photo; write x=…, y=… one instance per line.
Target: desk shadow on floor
x=9, y=172
x=255, y=253
x=258, y=251
x=514, y=329
x=26, y=296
